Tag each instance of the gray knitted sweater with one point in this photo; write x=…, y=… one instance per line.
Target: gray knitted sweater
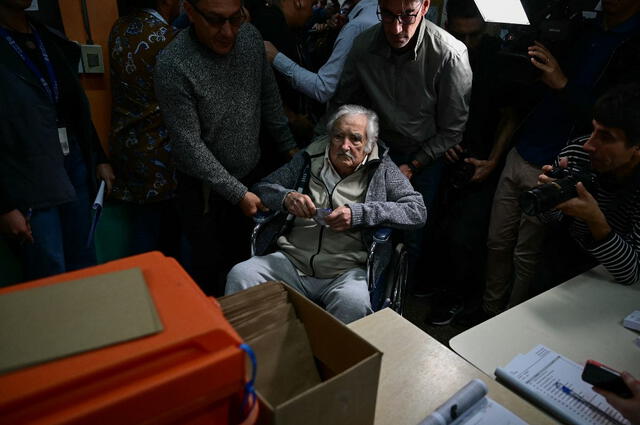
x=213, y=106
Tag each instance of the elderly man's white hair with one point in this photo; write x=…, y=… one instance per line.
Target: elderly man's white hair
x=372, y=122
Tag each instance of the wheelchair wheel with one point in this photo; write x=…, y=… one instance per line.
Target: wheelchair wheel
x=396, y=284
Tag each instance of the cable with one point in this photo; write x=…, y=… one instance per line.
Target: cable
x=85, y=18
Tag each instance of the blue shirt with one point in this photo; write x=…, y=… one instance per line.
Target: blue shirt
x=546, y=131
x=322, y=85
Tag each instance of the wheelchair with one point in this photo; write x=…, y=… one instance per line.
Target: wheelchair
x=387, y=291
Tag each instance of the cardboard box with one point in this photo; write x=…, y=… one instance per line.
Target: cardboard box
x=349, y=367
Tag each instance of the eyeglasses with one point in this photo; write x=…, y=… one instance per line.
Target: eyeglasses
x=404, y=18
x=217, y=21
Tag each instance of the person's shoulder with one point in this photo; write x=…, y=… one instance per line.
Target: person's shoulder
x=317, y=146
x=70, y=49
x=249, y=31
x=443, y=41
x=366, y=38
x=249, y=39
x=177, y=52
x=366, y=16
x=119, y=26
x=181, y=45
x=575, y=148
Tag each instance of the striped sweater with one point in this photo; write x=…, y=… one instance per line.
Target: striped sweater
x=619, y=252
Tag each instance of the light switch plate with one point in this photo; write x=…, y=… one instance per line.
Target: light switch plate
x=92, y=60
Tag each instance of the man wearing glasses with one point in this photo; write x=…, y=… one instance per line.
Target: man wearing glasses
x=417, y=78
x=215, y=88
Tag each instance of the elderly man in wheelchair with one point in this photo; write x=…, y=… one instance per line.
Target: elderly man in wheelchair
x=336, y=192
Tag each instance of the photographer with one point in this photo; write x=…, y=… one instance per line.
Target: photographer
x=604, y=55
x=605, y=222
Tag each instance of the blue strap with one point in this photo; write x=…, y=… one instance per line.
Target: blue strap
x=53, y=91
x=249, y=388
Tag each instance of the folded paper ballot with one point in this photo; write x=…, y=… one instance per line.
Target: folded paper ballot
x=53, y=321
x=264, y=318
x=97, y=211
x=471, y=406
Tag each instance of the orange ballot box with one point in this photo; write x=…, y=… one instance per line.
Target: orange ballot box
x=132, y=341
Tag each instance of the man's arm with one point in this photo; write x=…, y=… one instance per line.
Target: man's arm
x=320, y=86
x=276, y=186
x=271, y=110
x=452, y=111
x=619, y=254
x=190, y=152
x=403, y=209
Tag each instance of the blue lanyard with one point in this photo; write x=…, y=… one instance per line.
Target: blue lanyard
x=53, y=91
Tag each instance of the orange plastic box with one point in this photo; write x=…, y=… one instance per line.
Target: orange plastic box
x=191, y=373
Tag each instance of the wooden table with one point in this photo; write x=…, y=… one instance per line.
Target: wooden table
x=580, y=319
x=418, y=373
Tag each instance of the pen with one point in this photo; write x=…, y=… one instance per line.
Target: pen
x=586, y=402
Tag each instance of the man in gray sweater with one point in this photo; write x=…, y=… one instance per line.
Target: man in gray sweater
x=215, y=88
x=338, y=189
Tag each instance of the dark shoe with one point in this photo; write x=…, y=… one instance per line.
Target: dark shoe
x=472, y=318
x=444, y=316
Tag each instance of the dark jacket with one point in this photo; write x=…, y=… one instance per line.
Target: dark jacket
x=32, y=173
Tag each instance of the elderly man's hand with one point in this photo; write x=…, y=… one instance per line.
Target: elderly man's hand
x=339, y=219
x=299, y=205
x=250, y=204
x=270, y=51
x=552, y=74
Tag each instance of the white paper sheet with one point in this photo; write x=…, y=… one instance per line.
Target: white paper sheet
x=535, y=375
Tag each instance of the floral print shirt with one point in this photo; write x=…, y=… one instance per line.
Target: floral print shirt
x=140, y=150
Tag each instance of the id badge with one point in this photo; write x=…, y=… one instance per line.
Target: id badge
x=64, y=140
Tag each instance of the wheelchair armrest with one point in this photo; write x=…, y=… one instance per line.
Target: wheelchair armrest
x=382, y=234
x=262, y=217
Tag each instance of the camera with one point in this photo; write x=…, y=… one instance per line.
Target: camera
x=554, y=23
x=544, y=197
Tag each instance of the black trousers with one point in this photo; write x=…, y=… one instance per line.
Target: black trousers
x=218, y=239
x=458, y=267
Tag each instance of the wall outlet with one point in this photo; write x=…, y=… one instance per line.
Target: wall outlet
x=92, y=60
